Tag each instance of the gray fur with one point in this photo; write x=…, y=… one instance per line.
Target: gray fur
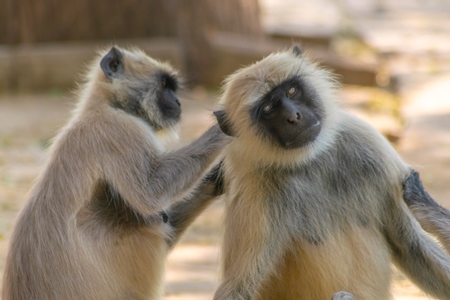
x=92, y=227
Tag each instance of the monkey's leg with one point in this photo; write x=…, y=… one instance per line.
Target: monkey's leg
x=184, y=212
x=433, y=218
x=342, y=296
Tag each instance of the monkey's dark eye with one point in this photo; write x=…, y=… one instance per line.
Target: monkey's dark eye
x=291, y=91
x=267, y=108
x=168, y=82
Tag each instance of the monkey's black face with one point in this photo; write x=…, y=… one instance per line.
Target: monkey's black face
x=151, y=93
x=289, y=115
x=168, y=103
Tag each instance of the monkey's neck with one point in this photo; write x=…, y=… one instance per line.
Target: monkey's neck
x=168, y=137
x=260, y=154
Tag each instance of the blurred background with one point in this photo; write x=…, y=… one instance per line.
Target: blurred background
x=393, y=58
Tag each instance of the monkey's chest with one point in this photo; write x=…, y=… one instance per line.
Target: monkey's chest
x=315, y=210
x=356, y=261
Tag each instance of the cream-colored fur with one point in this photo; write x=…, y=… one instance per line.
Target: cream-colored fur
x=308, y=222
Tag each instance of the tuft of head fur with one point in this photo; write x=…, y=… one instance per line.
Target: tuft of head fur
x=248, y=85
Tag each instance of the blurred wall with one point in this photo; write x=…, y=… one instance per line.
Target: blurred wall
x=31, y=21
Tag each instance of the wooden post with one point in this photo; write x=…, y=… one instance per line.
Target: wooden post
x=199, y=20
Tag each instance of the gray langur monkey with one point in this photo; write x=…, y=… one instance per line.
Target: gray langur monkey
x=313, y=194
x=433, y=218
x=103, y=214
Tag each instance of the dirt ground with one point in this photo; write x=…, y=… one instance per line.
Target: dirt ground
x=28, y=122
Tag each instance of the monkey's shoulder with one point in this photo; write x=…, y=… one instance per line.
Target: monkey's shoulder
x=360, y=146
x=104, y=133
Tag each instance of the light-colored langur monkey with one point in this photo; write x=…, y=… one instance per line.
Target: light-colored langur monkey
x=313, y=194
x=98, y=222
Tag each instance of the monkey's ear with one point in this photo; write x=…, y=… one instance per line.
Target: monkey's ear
x=296, y=50
x=112, y=63
x=222, y=120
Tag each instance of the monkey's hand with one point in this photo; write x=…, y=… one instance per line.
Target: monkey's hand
x=414, y=194
x=343, y=296
x=214, y=138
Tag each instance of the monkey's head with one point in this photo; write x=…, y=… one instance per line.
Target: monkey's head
x=141, y=86
x=283, y=104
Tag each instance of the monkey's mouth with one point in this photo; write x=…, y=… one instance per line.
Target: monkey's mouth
x=303, y=137
x=314, y=125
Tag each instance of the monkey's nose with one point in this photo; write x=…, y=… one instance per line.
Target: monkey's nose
x=294, y=118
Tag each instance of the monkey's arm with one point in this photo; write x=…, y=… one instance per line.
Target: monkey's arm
x=415, y=253
x=181, y=169
x=150, y=183
x=183, y=213
x=433, y=218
